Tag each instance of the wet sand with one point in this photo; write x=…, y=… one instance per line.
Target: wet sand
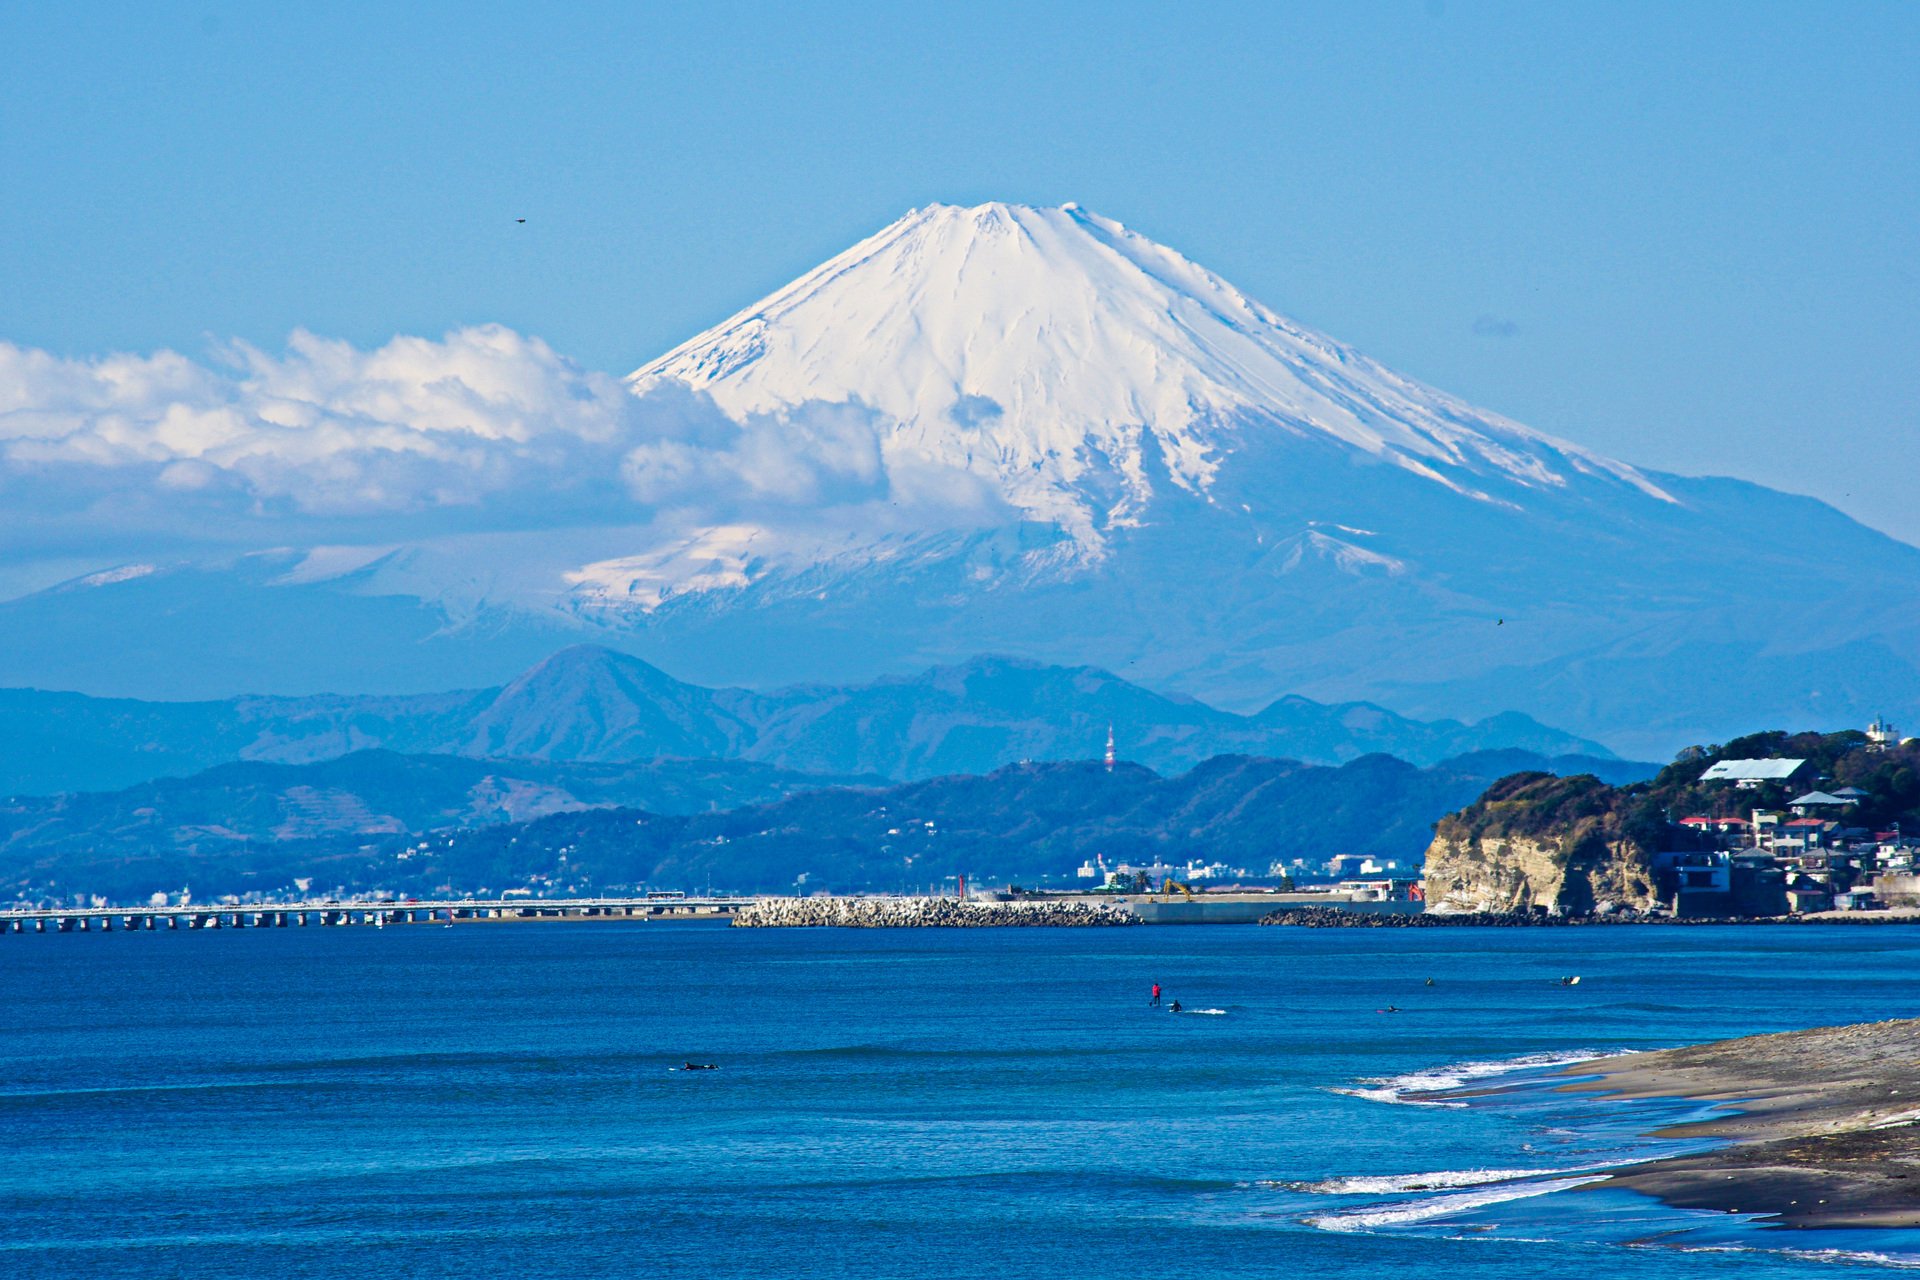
x=1822, y=1124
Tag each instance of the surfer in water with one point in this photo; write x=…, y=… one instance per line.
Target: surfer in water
x=1176, y=1006
x=1155, y=1002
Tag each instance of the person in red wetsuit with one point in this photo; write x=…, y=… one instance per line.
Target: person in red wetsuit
x=1156, y=995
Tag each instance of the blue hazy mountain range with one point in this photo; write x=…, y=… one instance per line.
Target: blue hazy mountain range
x=990, y=430
x=592, y=704
x=357, y=822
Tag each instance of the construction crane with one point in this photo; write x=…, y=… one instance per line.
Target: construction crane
x=1168, y=885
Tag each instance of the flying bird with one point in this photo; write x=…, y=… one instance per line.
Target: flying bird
x=519, y=219
x=1501, y=623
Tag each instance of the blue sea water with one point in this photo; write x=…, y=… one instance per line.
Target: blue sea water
x=500, y=1099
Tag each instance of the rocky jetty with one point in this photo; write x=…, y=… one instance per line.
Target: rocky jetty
x=925, y=913
x=1335, y=918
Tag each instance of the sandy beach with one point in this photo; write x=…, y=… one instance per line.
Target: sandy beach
x=1821, y=1124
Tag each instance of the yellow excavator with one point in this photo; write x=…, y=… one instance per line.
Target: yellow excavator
x=1168, y=885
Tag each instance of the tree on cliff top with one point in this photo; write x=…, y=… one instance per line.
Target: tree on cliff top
x=1541, y=807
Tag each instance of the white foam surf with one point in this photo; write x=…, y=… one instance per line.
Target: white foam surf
x=1398, y=1183
x=1460, y=1074
x=1411, y=1211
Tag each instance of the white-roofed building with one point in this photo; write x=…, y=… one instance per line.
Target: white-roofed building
x=1751, y=773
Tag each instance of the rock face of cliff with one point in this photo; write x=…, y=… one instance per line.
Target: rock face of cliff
x=1571, y=845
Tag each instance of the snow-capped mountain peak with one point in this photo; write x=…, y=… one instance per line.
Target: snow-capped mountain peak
x=1046, y=349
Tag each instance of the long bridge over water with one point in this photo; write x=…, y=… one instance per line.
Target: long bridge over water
x=377, y=914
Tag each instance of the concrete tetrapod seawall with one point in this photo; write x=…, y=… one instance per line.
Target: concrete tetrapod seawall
x=924, y=913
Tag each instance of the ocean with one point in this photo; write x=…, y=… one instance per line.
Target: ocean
x=503, y=1099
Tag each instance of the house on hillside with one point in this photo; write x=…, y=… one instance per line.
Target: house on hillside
x=1811, y=832
x=1729, y=832
x=1802, y=805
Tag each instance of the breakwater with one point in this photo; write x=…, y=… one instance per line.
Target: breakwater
x=1334, y=918
x=925, y=913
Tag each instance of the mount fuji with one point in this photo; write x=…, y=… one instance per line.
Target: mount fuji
x=1034, y=432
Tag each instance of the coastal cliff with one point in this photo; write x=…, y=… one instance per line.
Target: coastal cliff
x=1534, y=842
x=1571, y=845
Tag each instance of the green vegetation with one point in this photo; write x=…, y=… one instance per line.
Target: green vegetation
x=1583, y=813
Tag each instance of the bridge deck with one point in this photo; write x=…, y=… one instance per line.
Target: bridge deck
x=377, y=913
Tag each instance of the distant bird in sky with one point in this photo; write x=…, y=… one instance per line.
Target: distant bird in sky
x=519, y=219
x=1501, y=623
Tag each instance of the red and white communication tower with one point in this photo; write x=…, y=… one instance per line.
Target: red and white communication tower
x=1109, y=748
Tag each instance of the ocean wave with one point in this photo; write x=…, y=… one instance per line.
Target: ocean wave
x=1459, y=1074
x=1396, y=1183
x=1903, y=1261
x=1384, y=1094
x=1411, y=1211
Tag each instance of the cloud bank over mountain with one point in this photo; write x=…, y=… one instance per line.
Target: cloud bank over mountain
x=483, y=430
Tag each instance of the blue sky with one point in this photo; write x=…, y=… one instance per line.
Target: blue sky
x=1681, y=234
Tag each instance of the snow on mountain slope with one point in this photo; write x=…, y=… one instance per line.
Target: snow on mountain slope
x=999, y=430
x=1038, y=347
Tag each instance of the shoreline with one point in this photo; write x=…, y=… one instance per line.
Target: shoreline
x=1822, y=1126
x=1319, y=917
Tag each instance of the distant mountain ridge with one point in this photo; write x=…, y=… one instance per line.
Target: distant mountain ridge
x=587, y=703
x=376, y=793
x=414, y=823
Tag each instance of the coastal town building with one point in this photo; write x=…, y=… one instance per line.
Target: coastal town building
x=1750, y=774
x=1881, y=735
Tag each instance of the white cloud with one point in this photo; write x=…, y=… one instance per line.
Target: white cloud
x=325, y=429
x=485, y=429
